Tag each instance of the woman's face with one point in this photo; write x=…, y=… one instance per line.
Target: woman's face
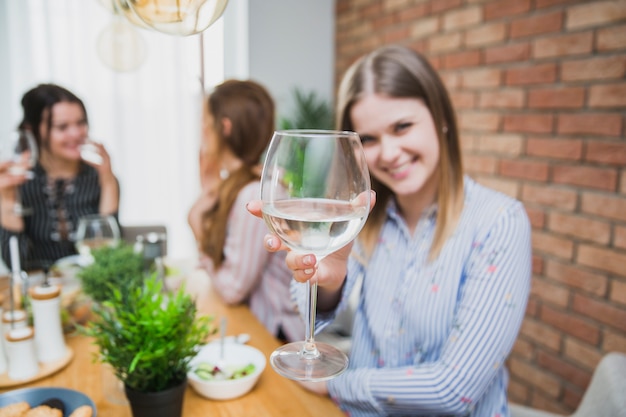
x=400, y=143
x=210, y=135
x=68, y=131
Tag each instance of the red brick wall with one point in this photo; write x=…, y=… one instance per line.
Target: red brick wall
x=540, y=89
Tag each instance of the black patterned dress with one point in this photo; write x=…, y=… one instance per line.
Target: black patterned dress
x=57, y=205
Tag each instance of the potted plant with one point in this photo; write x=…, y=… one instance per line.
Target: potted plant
x=113, y=267
x=148, y=338
x=310, y=112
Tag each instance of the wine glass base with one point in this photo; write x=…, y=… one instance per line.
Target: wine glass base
x=291, y=362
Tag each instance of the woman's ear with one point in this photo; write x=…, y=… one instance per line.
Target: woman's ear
x=227, y=127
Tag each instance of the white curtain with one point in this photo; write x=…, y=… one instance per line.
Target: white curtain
x=149, y=118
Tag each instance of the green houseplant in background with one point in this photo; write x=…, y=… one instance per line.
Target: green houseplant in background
x=148, y=338
x=112, y=267
x=310, y=112
x=118, y=267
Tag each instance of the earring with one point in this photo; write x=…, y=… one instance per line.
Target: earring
x=224, y=174
x=444, y=129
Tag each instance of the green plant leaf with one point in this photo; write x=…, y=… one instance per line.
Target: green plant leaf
x=113, y=268
x=147, y=337
x=311, y=112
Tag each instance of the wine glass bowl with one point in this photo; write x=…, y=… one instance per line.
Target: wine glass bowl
x=89, y=152
x=315, y=189
x=95, y=231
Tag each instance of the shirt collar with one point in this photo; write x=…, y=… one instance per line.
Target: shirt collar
x=393, y=212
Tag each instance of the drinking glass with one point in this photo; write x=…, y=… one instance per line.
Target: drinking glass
x=20, y=148
x=89, y=152
x=95, y=231
x=315, y=189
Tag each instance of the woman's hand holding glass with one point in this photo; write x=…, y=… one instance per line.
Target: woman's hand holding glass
x=18, y=155
x=95, y=154
x=329, y=273
x=9, y=180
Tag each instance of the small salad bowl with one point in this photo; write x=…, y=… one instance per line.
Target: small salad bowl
x=229, y=377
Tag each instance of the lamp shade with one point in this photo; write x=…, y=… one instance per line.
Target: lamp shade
x=121, y=7
x=120, y=46
x=178, y=17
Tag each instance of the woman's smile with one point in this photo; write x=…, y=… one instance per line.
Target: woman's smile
x=402, y=171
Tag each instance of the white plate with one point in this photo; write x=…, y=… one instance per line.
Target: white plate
x=71, y=399
x=77, y=260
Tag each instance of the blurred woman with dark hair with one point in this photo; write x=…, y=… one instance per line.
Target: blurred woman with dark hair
x=65, y=187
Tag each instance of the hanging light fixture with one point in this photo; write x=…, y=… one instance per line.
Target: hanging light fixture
x=120, y=46
x=177, y=17
x=173, y=17
x=122, y=7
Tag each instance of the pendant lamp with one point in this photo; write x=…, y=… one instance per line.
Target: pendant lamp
x=120, y=46
x=177, y=17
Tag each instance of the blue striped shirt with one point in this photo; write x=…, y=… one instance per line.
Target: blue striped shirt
x=431, y=338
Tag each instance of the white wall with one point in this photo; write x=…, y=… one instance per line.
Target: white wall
x=280, y=43
x=287, y=43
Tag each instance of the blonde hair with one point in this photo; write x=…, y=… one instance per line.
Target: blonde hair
x=398, y=71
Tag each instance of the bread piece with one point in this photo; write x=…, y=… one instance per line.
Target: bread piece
x=14, y=410
x=82, y=411
x=43, y=411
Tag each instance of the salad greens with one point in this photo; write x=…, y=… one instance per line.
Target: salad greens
x=211, y=372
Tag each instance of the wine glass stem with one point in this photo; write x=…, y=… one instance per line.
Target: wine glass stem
x=309, y=350
x=17, y=206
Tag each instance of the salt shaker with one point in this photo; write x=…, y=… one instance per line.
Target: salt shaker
x=12, y=319
x=21, y=353
x=49, y=339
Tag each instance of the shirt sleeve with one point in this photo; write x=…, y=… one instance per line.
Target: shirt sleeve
x=489, y=313
x=245, y=256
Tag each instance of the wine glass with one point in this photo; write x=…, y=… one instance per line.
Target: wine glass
x=89, y=152
x=315, y=189
x=20, y=149
x=95, y=231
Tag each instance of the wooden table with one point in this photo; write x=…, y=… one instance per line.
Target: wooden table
x=273, y=396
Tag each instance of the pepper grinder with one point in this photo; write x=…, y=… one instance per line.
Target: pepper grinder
x=49, y=338
x=13, y=319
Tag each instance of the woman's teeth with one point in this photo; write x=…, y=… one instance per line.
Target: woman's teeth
x=399, y=168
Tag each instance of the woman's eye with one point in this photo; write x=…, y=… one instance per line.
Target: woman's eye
x=401, y=127
x=367, y=140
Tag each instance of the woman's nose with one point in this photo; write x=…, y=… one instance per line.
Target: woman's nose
x=389, y=149
x=79, y=132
